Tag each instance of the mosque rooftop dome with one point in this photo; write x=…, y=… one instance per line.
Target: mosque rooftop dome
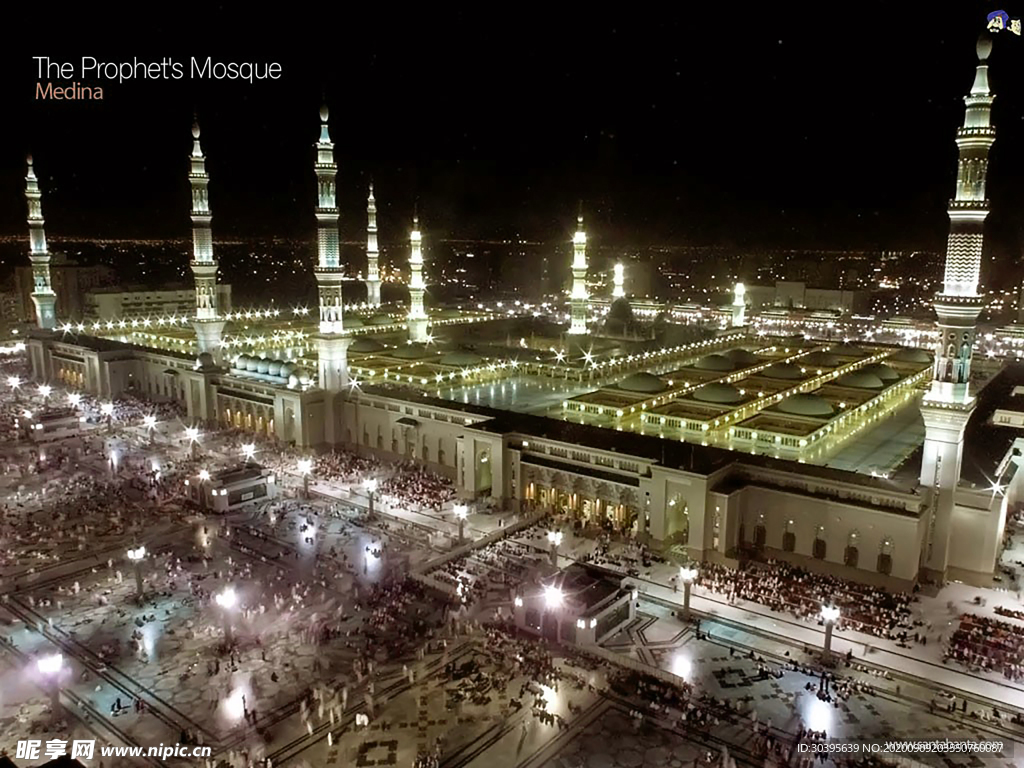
x=717, y=392
x=912, y=355
x=644, y=383
x=365, y=345
x=742, y=357
x=860, y=380
x=820, y=358
x=788, y=371
x=806, y=404
x=715, y=362
x=883, y=371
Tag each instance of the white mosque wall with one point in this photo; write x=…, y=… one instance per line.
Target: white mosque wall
x=979, y=518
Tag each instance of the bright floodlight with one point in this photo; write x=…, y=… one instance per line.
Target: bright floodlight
x=192, y=433
x=13, y=382
x=553, y=597
x=226, y=598
x=137, y=554
x=107, y=408
x=461, y=511
x=371, y=485
x=204, y=474
x=74, y=398
x=149, y=421
x=555, y=537
x=248, y=449
x=50, y=665
x=830, y=613
x=305, y=466
x=27, y=414
x=45, y=390
x=688, y=575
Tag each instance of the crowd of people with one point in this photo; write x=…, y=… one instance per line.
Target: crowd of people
x=787, y=588
x=412, y=485
x=984, y=643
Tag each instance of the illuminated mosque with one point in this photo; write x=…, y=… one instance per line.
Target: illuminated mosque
x=878, y=462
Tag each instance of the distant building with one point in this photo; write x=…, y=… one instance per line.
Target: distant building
x=70, y=281
x=121, y=302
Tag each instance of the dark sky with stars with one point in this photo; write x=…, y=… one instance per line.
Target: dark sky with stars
x=783, y=125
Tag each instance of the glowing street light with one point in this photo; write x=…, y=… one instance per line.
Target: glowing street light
x=555, y=539
x=45, y=390
x=137, y=555
x=371, y=488
x=248, y=451
x=192, y=433
x=149, y=422
x=14, y=382
x=50, y=668
x=461, y=513
x=687, y=576
x=553, y=598
x=75, y=399
x=227, y=599
x=830, y=615
x=305, y=467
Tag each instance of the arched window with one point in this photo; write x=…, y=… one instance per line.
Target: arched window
x=885, y=556
x=820, y=547
x=760, y=532
x=789, y=538
x=852, y=554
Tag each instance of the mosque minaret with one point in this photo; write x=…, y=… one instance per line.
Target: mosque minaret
x=578, y=297
x=43, y=297
x=372, y=255
x=417, y=319
x=331, y=343
x=948, y=405
x=207, y=323
x=618, y=281
x=739, y=305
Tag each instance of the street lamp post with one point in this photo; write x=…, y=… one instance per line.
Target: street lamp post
x=50, y=668
x=14, y=382
x=461, y=512
x=688, y=576
x=137, y=555
x=371, y=488
x=830, y=615
x=192, y=433
x=75, y=399
x=204, y=475
x=150, y=423
x=248, y=451
x=226, y=599
x=305, y=467
x=108, y=411
x=45, y=390
x=555, y=538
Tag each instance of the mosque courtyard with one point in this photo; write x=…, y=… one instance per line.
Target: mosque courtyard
x=304, y=630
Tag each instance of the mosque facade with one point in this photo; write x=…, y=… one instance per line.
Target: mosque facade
x=716, y=447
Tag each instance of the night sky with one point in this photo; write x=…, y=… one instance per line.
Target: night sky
x=776, y=126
